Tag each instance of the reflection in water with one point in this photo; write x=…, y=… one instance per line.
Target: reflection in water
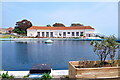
x=22, y=55
x=25, y=42
x=48, y=44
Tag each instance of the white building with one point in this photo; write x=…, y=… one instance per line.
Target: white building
x=60, y=31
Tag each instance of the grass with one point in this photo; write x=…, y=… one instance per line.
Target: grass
x=4, y=36
x=7, y=36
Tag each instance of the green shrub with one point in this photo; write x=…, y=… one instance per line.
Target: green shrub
x=46, y=76
x=76, y=37
x=66, y=76
x=26, y=76
x=0, y=76
x=5, y=75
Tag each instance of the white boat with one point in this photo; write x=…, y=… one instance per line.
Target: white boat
x=48, y=41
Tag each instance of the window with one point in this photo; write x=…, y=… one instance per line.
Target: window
x=73, y=34
x=42, y=34
x=81, y=34
x=38, y=34
x=77, y=33
x=59, y=34
x=51, y=34
x=89, y=35
x=64, y=33
x=68, y=32
x=47, y=34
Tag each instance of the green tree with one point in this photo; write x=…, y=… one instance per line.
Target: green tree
x=107, y=46
x=76, y=24
x=97, y=35
x=58, y=25
x=23, y=25
x=112, y=46
x=48, y=25
x=17, y=30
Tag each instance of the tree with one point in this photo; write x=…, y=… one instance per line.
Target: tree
x=76, y=24
x=48, y=25
x=106, y=47
x=97, y=35
x=23, y=25
x=17, y=30
x=113, y=46
x=58, y=25
x=100, y=49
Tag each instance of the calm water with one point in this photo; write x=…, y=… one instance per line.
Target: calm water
x=22, y=55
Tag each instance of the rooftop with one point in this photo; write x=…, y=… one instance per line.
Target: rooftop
x=59, y=28
x=10, y=29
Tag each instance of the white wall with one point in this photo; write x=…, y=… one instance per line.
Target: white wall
x=56, y=32
x=89, y=31
x=31, y=33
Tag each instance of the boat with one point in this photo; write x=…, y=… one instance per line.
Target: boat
x=49, y=41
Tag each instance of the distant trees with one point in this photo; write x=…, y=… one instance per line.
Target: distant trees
x=21, y=26
x=58, y=25
x=76, y=24
x=62, y=25
x=48, y=25
x=97, y=35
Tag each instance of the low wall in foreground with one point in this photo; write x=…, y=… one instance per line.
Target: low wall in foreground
x=100, y=72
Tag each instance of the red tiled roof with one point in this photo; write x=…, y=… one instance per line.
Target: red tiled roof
x=9, y=29
x=59, y=28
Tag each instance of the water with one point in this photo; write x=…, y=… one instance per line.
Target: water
x=23, y=55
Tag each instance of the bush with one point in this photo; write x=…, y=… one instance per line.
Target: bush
x=76, y=37
x=27, y=76
x=46, y=76
x=5, y=75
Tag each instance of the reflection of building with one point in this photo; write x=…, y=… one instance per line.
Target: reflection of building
x=60, y=31
x=6, y=30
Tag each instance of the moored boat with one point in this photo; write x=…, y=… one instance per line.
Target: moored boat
x=48, y=41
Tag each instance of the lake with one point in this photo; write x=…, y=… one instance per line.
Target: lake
x=23, y=55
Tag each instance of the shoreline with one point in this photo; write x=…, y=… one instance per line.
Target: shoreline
x=42, y=39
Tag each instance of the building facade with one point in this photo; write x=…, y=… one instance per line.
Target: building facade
x=78, y=31
x=6, y=30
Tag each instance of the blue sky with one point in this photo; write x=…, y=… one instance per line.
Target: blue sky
x=103, y=16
